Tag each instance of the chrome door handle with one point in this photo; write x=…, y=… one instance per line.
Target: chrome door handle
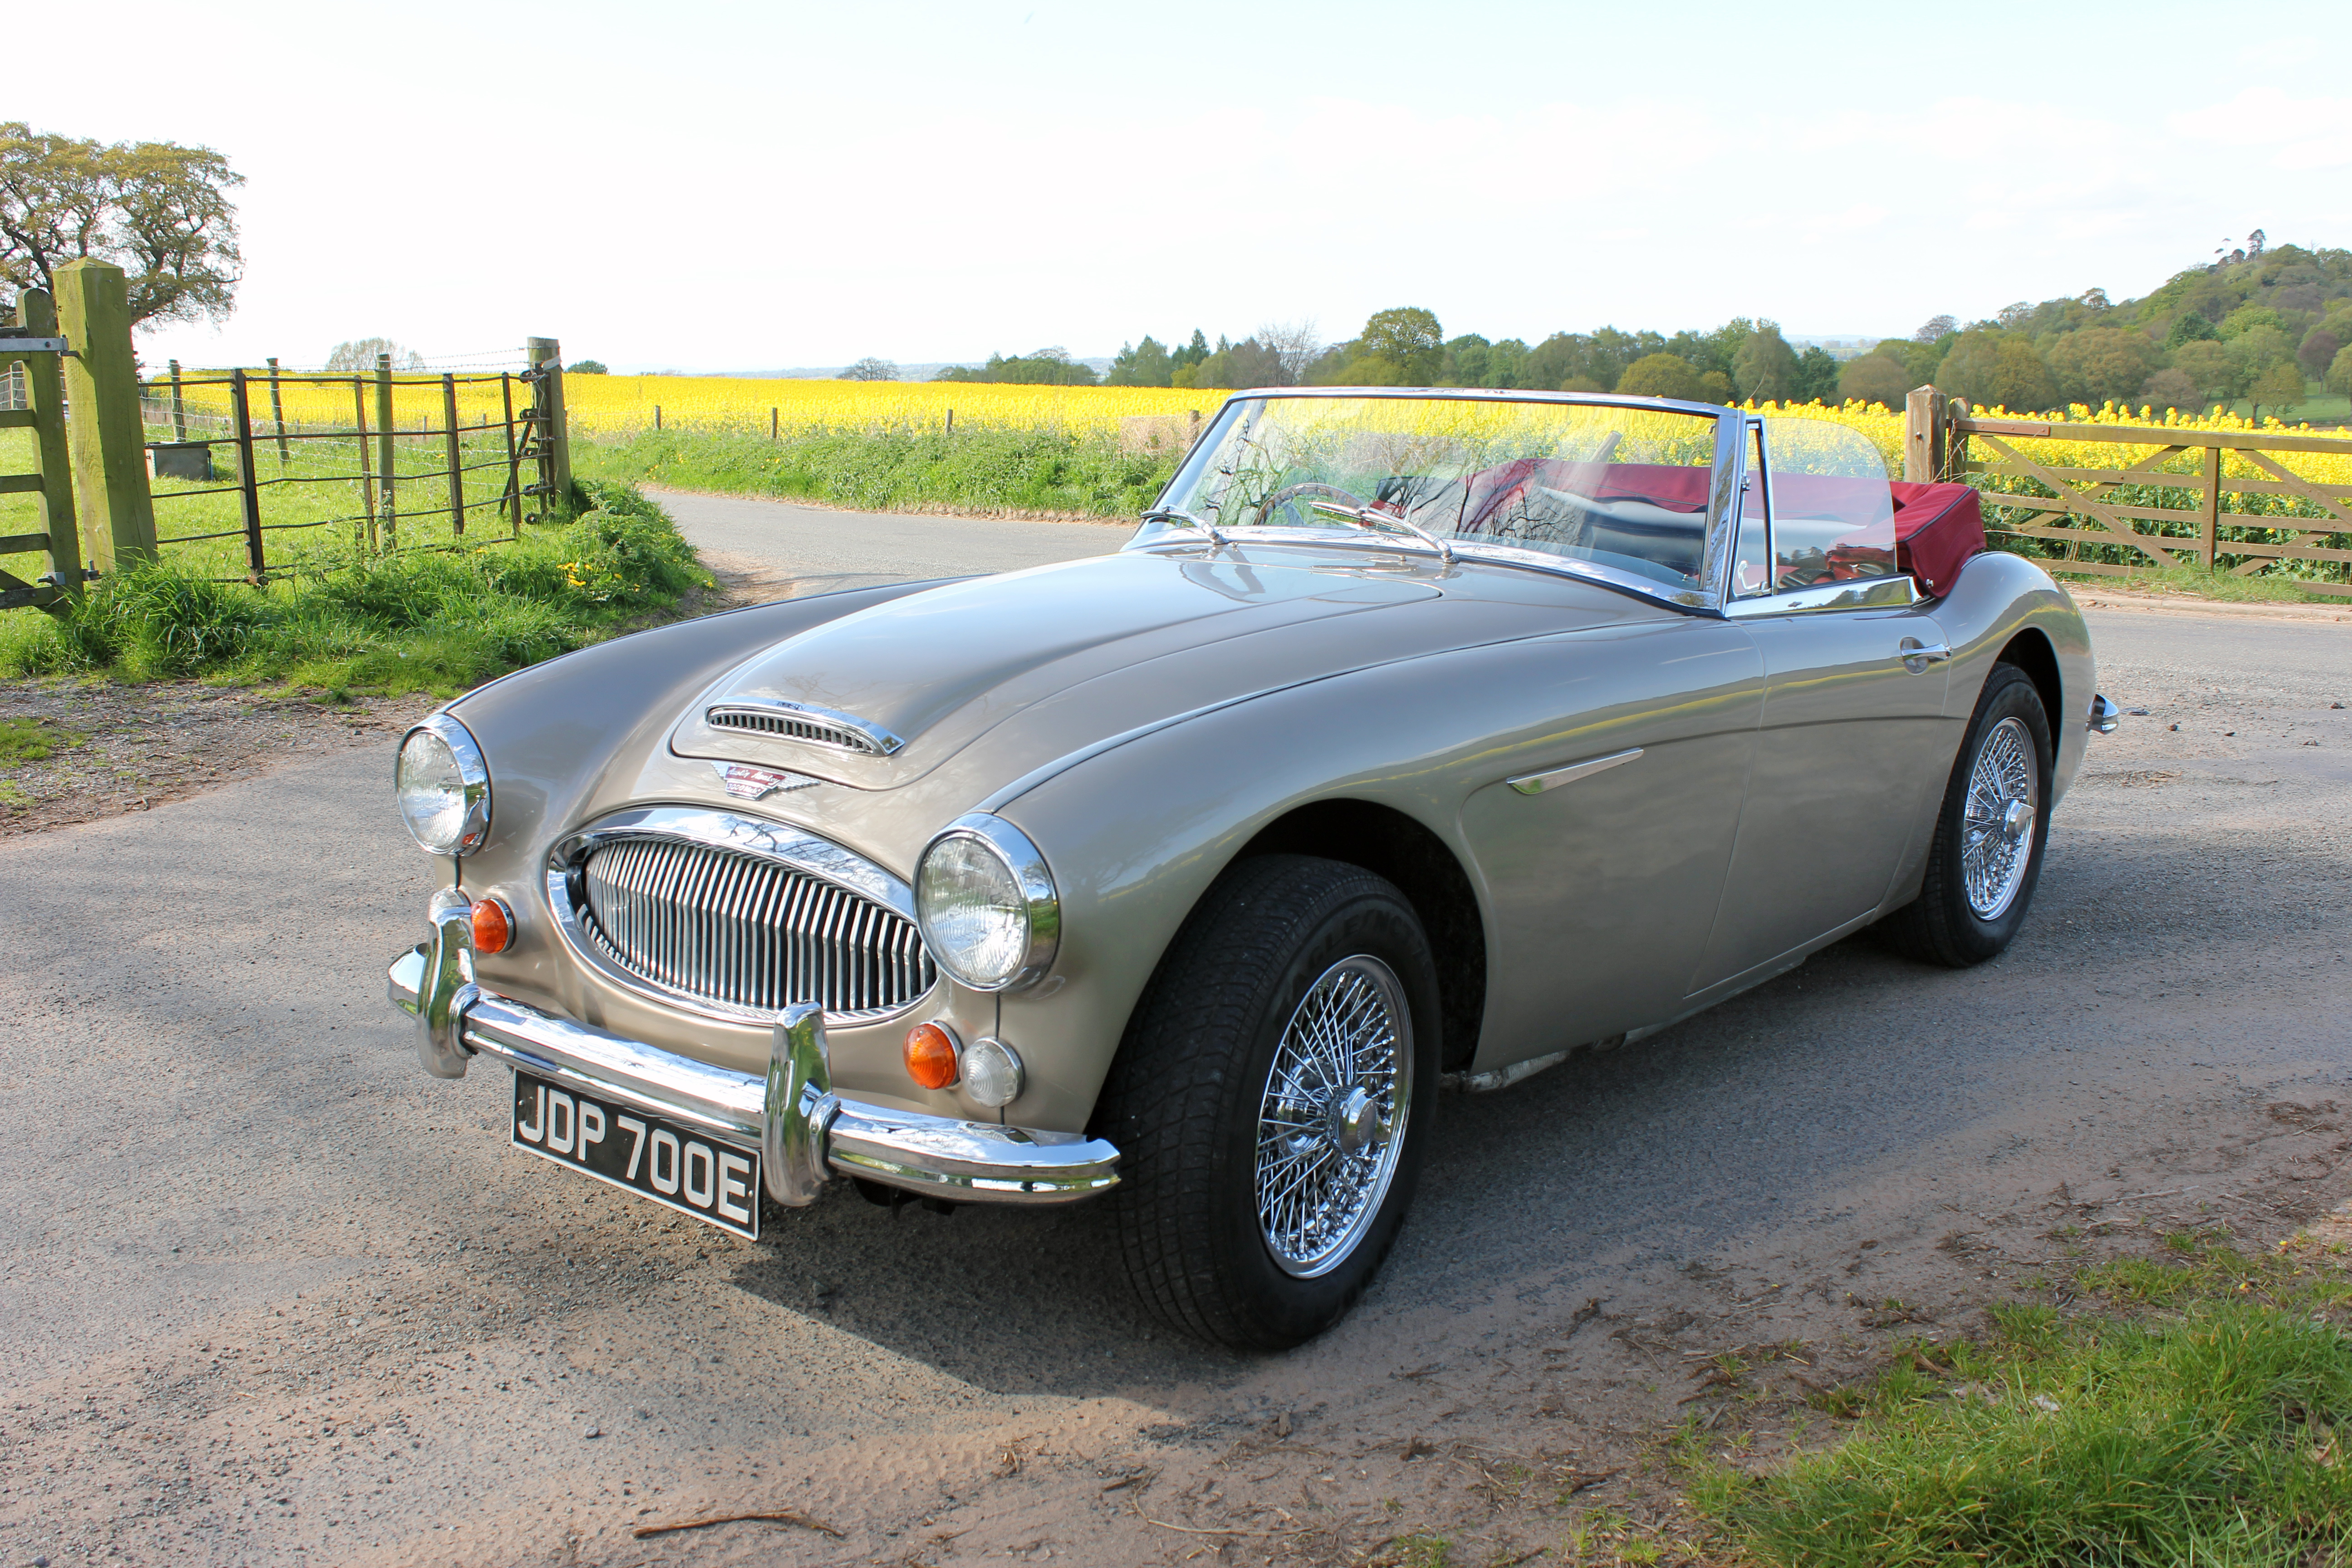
x=1917, y=656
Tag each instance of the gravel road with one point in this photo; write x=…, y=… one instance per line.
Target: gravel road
x=275, y=1296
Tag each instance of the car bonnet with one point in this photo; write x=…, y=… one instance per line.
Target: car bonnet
x=880, y=697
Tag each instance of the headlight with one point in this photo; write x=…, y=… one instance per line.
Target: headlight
x=443, y=787
x=985, y=905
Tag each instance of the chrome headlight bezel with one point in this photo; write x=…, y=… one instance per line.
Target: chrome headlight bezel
x=474, y=784
x=1031, y=884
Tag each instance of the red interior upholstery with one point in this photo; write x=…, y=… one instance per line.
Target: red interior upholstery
x=1936, y=529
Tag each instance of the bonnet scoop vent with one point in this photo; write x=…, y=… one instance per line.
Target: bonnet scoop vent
x=801, y=721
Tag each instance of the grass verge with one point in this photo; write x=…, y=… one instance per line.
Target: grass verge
x=2204, y=1415
x=986, y=469
x=437, y=621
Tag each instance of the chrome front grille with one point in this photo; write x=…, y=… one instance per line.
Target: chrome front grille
x=745, y=932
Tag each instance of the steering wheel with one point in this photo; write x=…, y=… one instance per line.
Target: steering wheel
x=1305, y=488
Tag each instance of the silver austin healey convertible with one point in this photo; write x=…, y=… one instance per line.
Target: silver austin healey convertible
x=1416, y=738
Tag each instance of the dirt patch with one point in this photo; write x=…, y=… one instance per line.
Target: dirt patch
x=2193, y=604
x=77, y=751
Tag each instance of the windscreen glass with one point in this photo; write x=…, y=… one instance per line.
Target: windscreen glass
x=1622, y=488
x=1832, y=508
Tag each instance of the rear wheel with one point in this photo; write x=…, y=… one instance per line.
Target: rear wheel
x=1989, y=834
x=1271, y=1101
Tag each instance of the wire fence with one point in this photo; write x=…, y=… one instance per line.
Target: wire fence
x=295, y=469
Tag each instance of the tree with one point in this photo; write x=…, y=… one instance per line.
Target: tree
x=1817, y=376
x=2169, y=388
x=1144, y=364
x=2257, y=349
x=156, y=209
x=2101, y=364
x=1874, y=377
x=1296, y=346
x=1505, y=363
x=1995, y=369
x=870, y=369
x=358, y=355
x=1935, y=328
x=1465, y=360
x=587, y=367
x=1046, y=367
x=1192, y=353
x=1408, y=338
x=2188, y=327
x=2212, y=370
x=2317, y=351
x=1765, y=368
x=2280, y=386
x=2339, y=372
x=1661, y=376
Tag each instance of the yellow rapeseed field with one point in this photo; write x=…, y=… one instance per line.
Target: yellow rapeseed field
x=620, y=405
x=624, y=405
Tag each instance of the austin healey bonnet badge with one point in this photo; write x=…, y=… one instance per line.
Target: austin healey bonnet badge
x=747, y=782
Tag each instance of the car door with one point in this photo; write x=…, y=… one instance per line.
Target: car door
x=1854, y=669
x=1604, y=843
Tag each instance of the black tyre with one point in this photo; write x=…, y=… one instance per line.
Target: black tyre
x=1272, y=1100
x=1989, y=834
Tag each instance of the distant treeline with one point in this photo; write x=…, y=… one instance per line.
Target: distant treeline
x=2259, y=323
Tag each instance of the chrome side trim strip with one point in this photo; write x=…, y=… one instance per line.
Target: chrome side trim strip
x=964, y=1162
x=1536, y=784
x=1859, y=594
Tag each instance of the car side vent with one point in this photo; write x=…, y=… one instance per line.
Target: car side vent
x=799, y=722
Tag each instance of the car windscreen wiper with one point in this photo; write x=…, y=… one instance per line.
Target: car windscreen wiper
x=1365, y=517
x=1176, y=514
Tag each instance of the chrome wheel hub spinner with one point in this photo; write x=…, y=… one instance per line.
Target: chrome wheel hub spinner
x=1997, y=842
x=1332, y=1118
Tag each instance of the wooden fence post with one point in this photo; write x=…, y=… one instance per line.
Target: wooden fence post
x=240, y=404
x=277, y=415
x=771, y=424
x=2208, y=525
x=180, y=410
x=1924, y=432
x=110, y=435
x=514, y=457
x=387, y=472
x=45, y=411
x=363, y=531
x=456, y=469
x=547, y=354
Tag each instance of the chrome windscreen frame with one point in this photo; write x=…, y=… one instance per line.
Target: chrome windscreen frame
x=1722, y=511
x=733, y=831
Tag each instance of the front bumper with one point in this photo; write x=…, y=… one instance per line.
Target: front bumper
x=804, y=1132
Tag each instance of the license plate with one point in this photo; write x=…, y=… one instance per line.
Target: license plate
x=639, y=1152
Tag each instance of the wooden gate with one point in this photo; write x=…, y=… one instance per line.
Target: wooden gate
x=2229, y=500
x=33, y=343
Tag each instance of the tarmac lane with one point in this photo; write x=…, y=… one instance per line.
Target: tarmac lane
x=272, y=1294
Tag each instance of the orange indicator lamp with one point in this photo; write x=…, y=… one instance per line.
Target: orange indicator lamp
x=931, y=1053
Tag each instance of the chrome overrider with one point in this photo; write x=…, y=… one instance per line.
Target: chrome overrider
x=803, y=1130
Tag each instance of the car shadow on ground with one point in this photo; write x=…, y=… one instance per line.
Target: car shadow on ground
x=1860, y=1070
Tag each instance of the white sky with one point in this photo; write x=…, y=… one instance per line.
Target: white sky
x=714, y=187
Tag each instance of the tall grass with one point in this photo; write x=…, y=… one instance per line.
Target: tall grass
x=436, y=621
x=1048, y=468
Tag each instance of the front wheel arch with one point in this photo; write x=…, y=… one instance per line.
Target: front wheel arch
x=1423, y=868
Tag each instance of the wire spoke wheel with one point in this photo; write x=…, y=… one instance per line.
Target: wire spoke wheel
x=1331, y=1121
x=1999, y=819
